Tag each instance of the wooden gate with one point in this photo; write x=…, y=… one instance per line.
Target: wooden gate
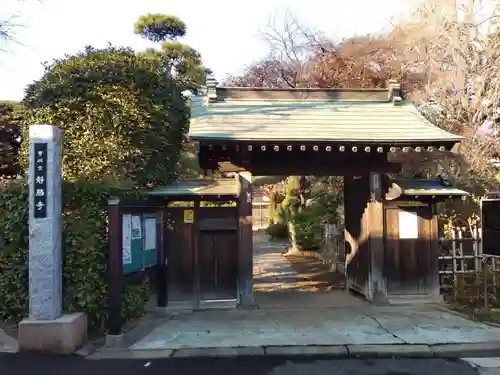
x=358, y=260
x=260, y=215
x=408, y=258
x=202, y=246
x=179, y=245
x=218, y=253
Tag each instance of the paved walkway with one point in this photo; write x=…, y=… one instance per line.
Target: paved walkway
x=343, y=330
x=8, y=344
x=299, y=315
x=300, y=312
x=270, y=269
x=287, y=281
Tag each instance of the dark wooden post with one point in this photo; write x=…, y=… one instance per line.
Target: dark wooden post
x=377, y=283
x=195, y=241
x=434, y=256
x=245, y=241
x=115, y=266
x=161, y=258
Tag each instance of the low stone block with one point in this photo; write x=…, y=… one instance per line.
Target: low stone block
x=472, y=349
x=63, y=335
x=114, y=341
x=330, y=350
x=392, y=350
x=130, y=354
x=219, y=352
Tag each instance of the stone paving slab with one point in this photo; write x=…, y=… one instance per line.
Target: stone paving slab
x=295, y=325
x=484, y=366
x=8, y=344
x=329, y=327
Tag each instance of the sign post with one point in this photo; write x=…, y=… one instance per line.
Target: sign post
x=45, y=259
x=46, y=329
x=40, y=180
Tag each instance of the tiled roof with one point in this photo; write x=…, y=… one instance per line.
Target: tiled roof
x=423, y=187
x=264, y=116
x=197, y=188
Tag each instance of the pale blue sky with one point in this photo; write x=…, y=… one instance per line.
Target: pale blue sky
x=224, y=31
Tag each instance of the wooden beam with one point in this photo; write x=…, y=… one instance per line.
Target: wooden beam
x=324, y=170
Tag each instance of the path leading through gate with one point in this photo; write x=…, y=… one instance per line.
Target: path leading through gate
x=296, y=308
x=295, y=281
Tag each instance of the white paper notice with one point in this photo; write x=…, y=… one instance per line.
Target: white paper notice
x=408, y=225
x=150, y=234
x=136, y=227
x=127, y=239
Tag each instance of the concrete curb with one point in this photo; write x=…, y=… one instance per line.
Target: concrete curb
x=486, y=349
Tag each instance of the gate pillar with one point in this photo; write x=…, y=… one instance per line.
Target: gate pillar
x=245, y=239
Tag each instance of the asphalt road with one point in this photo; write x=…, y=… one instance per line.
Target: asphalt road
x=49, y=365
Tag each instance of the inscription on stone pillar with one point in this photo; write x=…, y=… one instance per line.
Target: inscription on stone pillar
x=45, y=259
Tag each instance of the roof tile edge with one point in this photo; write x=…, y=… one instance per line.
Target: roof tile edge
x=215, y=93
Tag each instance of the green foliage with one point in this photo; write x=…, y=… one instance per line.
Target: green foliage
x=308, y=224
x=292, y=187
x=10, y=120
x=325, y=196
x=84, y=248
x=185, y=62
x=123, y=119
x=277, y=231
x=179, y=60
x=276, y=212
x=188, y=166
x=158, y=27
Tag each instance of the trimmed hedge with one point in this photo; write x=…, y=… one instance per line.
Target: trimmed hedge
x=84, y=250
x=10, y=131
x=122, y=117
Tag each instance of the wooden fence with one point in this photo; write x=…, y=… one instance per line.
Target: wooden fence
x=260, y=215
x=466, y=274
x=333, y=243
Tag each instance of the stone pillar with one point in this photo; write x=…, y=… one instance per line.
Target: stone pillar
x=45, y=260
x=46, y=329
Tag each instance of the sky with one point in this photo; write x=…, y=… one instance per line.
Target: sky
x=225, y=32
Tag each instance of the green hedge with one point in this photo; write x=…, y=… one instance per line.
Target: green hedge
x=84, y=252
x=308, y=224
x=122, y=117
x=277, y=230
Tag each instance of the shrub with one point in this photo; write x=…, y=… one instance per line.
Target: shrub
x=84, y=248
x=308, y=229
x=10, y=121
x=277, y=230
x=121, y=116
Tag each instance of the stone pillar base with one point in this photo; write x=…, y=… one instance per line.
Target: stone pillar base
x=63, y=335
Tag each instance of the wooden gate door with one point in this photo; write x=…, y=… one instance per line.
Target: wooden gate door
x=180, y=256
x=218, y=262
x=408, y=251
x=218, y=254
x=356, y=197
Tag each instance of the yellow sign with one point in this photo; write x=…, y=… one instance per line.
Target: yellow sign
x=189, y=216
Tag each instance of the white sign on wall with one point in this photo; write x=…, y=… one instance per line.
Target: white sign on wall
x=127, y=239
x=136, y=227
x=408, y=225
x=150, y=234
